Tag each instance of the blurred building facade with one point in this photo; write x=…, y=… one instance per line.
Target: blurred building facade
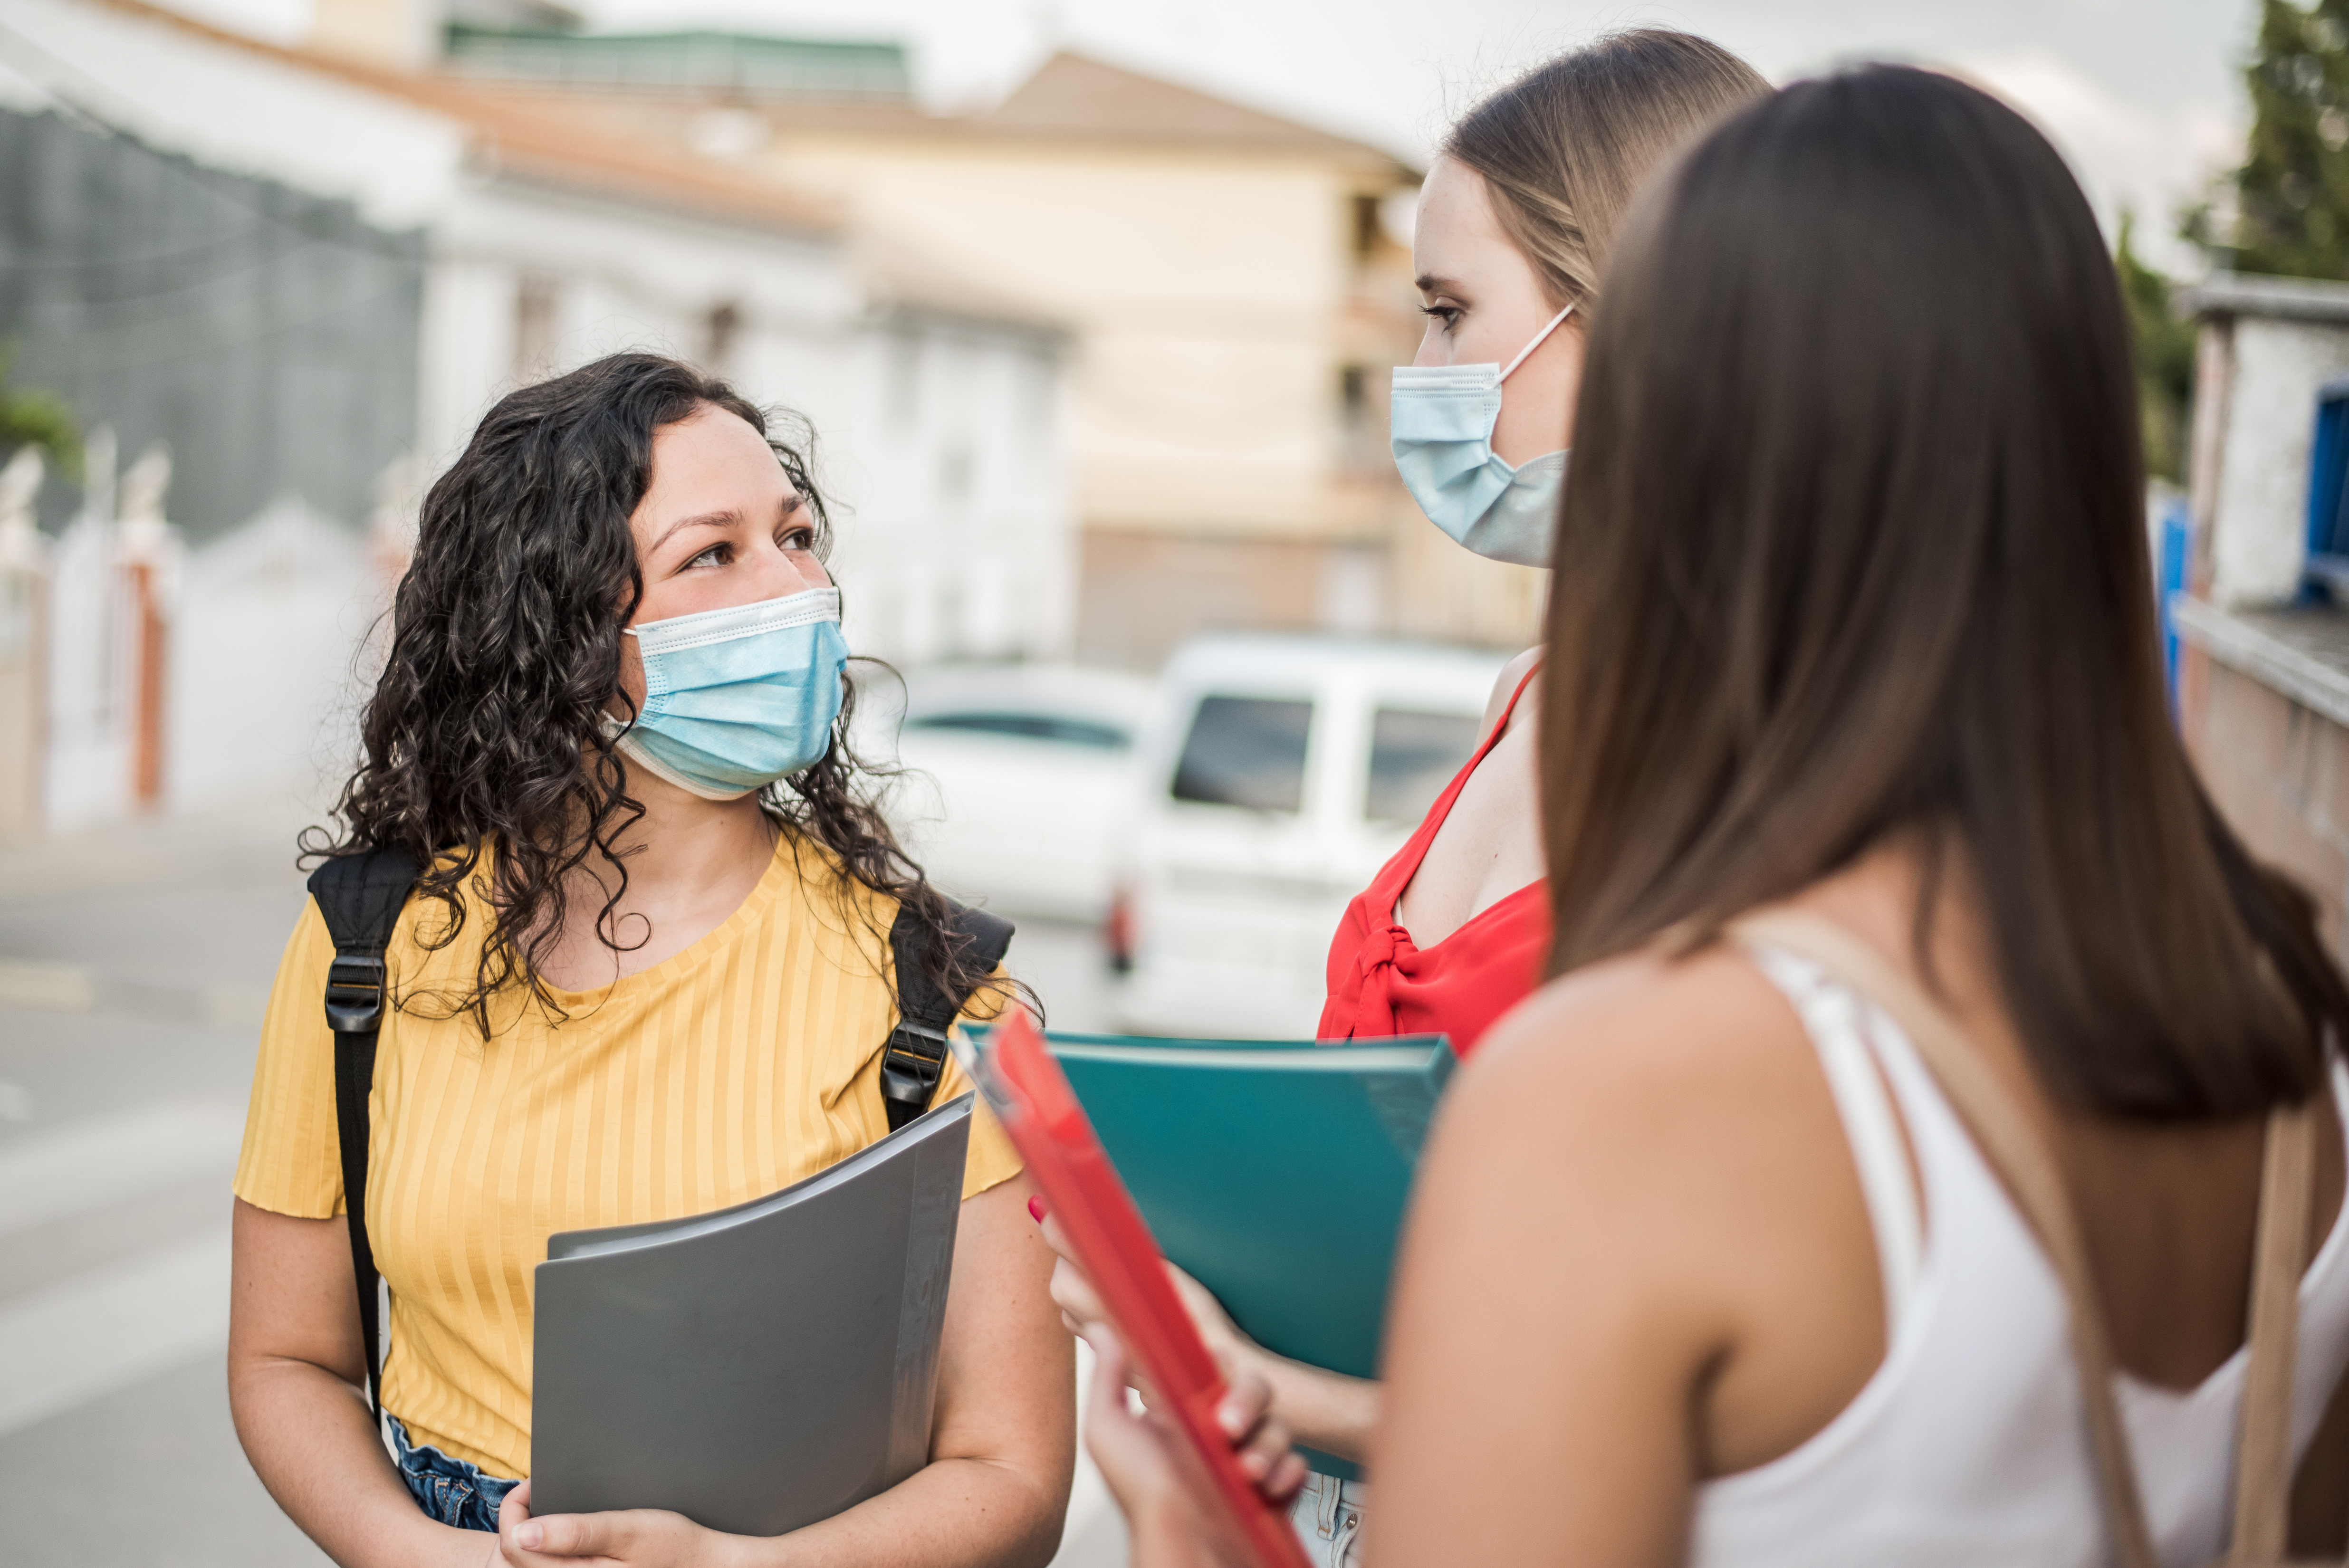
x=365, y=257
x=1237, y=286
x=2263, y=676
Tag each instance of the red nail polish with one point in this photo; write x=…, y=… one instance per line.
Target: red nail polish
x=1036, y=1210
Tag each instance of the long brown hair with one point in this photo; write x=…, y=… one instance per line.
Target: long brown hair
x=1564, y=147
x=1853, y=546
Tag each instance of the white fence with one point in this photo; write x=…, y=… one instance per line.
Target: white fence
x=139, y=675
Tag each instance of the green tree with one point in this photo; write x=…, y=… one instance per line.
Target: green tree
x=38, y=418
x=2165, y=358
x=2292, y=191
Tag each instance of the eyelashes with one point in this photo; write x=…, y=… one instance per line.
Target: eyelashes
x=801, y=538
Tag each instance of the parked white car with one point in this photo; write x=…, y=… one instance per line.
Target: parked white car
x=1276, y=775
x=1018, y=777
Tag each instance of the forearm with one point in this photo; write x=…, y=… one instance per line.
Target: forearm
x=309, y=1439
x=1325, y=1411
x=1169, y=1537
x=951, y=1513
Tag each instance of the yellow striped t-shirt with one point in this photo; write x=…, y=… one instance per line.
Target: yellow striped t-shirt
x=744, y=1063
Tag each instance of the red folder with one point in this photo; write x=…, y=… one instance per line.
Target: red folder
x=1026, y=1089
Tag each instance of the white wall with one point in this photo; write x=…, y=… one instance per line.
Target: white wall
x=943, y=439
x=2260, y=536
x=2267, y=346
x=958, y=534
x=266, y=673
x=234, y=109
x=264, y=627
x=940, y=440
x=88, y=773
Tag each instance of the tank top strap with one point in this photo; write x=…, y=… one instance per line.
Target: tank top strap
x=1836, y=1021
x=1508, y=709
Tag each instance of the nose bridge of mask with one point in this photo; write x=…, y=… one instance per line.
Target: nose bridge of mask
x=724, y=645
x=738, y=620
x=1449, y=402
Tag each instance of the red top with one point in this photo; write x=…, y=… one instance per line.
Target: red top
x=1383, y=983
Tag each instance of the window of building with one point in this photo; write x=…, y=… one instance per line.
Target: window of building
x=1246, y=751
x=1366, y=225
x=903, y=378
x=534, y=325
x=1361, y=441
x=1414, y=756
x=957, y=472
x=2328, y=490
x=719, y=330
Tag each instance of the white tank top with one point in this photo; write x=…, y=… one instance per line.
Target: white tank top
x=1968, y=1446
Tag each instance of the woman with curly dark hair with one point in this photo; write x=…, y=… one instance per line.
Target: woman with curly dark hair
x=646, y=973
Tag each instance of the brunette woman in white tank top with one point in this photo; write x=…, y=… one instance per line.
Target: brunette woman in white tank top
x=1852, y=624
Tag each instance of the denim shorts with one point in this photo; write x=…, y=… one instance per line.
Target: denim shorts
x=451, y=1491
x=1327, y=1515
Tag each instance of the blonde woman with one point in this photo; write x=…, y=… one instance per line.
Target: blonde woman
x=1516, y=223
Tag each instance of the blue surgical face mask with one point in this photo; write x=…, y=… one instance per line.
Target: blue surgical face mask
x=737, y=698
x=1442, y=432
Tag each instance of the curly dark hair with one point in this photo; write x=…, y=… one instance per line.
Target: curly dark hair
x=486, y=727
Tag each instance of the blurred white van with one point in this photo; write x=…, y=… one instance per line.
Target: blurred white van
x=1019, y=776
x=1273, y=777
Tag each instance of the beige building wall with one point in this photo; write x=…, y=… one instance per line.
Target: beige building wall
x=1220, y=300
x=1235, y=308
x=1206, y=292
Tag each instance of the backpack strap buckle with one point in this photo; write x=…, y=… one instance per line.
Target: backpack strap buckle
x=915, y=1059
x=910, y=1068
x=354, y=993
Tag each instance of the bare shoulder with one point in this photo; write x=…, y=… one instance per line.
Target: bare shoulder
x=1705, y=1277
x=1690, y=1030
x=1680, y=1086
x=1506, y=684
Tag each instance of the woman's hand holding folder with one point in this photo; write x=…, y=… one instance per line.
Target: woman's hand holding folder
x=1322, y=1409
x=1247, y=1413
x=1227, y=1454
x=626, y=1538
x=1136, y=1455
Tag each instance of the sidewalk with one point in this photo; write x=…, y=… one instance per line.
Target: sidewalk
x=134, y=965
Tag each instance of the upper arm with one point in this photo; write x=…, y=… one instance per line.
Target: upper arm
x=992, y=1159
x=1533, y=1332
x=290, y=1161
x=1007, y=1368
x=1598, y=1261
x=291, y=1296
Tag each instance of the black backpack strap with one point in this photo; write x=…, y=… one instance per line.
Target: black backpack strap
x=915, y=1057
x=360, y=897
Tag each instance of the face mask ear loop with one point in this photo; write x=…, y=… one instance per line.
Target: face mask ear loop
x=1539, y=338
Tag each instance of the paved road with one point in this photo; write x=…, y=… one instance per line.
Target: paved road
x=133, y=964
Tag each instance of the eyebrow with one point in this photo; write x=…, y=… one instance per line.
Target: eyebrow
x=1428, y=282
x=706, y=519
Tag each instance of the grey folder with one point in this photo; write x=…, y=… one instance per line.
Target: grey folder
x=762, y=1368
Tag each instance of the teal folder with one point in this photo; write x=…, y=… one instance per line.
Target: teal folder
x=1273, y=1173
